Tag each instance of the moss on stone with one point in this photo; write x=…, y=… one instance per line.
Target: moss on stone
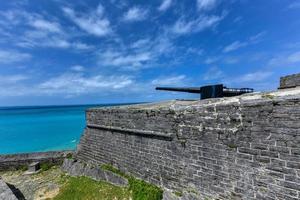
x=268, y=96
x=232, y=146
x=46, y=166
x=69, y=156
x=178, y=193
x=141, y=190
x=22, y=168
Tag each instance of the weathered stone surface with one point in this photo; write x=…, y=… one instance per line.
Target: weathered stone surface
x=290, y=81
x=34, y=167
x=169, y=195
x=244, y=147
x=16, y=161
x=5, y=192
x=76, y=168
x=39, y=186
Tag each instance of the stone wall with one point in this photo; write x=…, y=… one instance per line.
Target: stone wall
x=290, y=81
x=15, y=161
x=245, y=147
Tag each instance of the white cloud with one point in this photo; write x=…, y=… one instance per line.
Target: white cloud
x=78, y=68
x=257, y=38
x=70, y=84
x=294, y=5
x=76, y=84
x=113, y=58
x=13, y=17
x=143, y=53
x=213, y=73
x=255, y=76
x=211, y=60
x=258, y=80
x=135, y=14
x=141, y=43
x=12, y=79
x=285, y=59
x=46, y=25
x=81, y=46
x=294, y=58
x=40, y=32
x=183, y=26
x=11, y=56
x=234, y=46
x=13, y=85
x=165, y=5
x=93, y=23
x=38, y=38
x=207, y=4
x=172, y=80
x=237, y=44
x=238, y=19
x=231, y=60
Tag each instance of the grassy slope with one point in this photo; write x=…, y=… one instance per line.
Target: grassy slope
x=141, y=190
x=82, y=188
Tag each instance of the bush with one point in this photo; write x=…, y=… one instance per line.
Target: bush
x=46, y=166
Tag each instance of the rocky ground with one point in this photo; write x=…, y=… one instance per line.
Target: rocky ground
x=38, y=186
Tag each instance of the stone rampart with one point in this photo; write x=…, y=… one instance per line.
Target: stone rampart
x=245, y=147
x=16, y=161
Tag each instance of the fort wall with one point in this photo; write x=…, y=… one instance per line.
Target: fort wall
x=245, y=147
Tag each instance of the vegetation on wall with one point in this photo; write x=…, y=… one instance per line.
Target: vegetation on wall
x=140, y=189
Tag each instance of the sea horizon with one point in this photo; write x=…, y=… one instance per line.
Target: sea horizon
x=27, y=129
x=66, y=105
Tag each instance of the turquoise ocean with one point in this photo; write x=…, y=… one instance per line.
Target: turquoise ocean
x=41, y=128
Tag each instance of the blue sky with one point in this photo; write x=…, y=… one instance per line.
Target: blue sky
x=80, y=52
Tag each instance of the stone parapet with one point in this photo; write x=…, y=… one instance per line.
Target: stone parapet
x=290, y=81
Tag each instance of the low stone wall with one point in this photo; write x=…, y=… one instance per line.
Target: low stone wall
x=245, y=147
x=17, y=161
x=290, y=81
x=76, y=168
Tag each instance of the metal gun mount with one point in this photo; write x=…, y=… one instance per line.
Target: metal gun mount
x=210, y=91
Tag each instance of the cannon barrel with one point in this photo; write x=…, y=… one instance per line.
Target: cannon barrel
x=210, y=91
x=196, y=90
x=229, y=92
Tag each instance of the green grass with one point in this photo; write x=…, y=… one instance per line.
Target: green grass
x=83, y=188
x=140, y=189
x=69, y=156
x=114, y=170
x=46, y=166
x=22, y=168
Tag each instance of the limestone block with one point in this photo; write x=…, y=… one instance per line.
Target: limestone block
x=76, y=168
x=5, y=192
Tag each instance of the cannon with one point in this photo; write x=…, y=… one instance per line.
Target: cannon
x=210, y=91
